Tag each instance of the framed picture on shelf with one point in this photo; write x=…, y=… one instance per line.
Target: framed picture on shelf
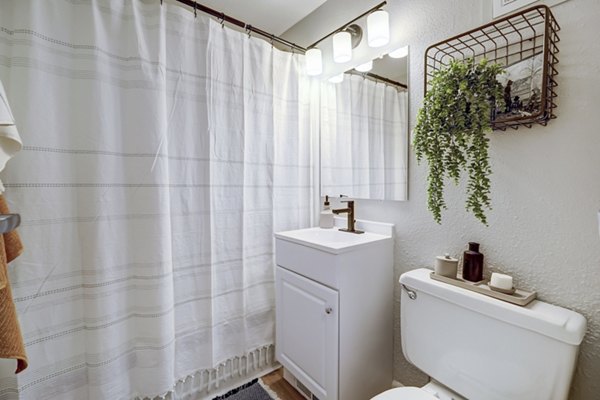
x=523, y=85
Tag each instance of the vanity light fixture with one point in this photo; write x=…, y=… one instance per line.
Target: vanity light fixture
x=378, y=28
x=349, y=36
x=366, y=67
x=399, y=53
x=342, y=47
x=314, y=62
x=337, y=78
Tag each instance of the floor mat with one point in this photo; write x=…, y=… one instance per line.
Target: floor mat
x=253, y=390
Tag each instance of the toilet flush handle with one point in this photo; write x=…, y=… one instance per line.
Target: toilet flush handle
x=411, y=293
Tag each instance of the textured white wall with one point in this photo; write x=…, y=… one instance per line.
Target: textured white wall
x=546, y=181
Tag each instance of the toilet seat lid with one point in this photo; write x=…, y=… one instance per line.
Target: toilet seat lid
x=405, y=393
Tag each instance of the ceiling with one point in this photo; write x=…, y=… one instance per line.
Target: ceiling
x=273, y=16
x=331, y=15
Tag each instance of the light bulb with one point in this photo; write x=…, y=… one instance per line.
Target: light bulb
x=399, y=53
x=342, y=47
x=366, y=67
x=378, y=28
x=337, y=78
x=314, y=62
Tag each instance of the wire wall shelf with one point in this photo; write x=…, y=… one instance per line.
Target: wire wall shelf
x=525, y=44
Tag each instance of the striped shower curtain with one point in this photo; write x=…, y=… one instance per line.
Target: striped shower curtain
x=161, y=152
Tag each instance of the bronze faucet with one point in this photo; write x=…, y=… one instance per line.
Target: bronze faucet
x=351, y=220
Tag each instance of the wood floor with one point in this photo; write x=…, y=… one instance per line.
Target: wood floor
x=284, y=390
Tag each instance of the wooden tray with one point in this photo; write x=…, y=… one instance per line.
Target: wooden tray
x=520, y=297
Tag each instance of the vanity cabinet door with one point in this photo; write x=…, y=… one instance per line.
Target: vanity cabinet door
x=307, y=332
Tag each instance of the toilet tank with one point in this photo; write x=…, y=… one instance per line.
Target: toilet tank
x=484, y=348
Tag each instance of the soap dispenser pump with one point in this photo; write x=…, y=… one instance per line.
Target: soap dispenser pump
x=326, y=219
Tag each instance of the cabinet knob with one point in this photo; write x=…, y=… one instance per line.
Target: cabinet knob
x=329, y=310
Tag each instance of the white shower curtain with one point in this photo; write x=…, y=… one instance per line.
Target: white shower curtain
x=364, y=139
x=161, y=152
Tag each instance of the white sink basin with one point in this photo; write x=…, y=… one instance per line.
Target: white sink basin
x=330, y=240
x=330, y=256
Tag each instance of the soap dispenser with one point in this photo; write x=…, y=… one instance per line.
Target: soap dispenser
x=326, y=219
x=473, y=263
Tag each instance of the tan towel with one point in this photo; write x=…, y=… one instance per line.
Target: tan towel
x=11, y=341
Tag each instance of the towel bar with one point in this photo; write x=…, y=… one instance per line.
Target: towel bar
x=9, y=222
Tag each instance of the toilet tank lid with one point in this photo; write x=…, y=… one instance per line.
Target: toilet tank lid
x=556, y=322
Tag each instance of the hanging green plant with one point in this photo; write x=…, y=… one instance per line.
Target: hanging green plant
x=451, y=132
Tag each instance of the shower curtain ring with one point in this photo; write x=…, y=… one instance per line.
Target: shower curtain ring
x=195, y=11
x=272, y=39
x=249, y=30
x=222, y=20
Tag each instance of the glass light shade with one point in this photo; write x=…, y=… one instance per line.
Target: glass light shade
x=342, y=47
x=399, y=53
x=314, y=62
x=366, y=67
x=378, y=28
x=337, y=78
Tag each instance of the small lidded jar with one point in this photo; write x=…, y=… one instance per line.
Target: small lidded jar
x=446, y=266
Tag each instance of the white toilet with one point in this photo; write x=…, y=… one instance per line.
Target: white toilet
x=479, y=348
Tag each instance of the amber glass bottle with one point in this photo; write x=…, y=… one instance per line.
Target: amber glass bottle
x=472, y=263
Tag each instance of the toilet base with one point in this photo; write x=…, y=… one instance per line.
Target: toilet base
x=431, y=391
x=441, y=391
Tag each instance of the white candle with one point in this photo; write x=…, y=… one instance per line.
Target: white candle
x=501, y=281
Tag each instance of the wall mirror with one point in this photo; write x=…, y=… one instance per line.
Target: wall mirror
x=364, y=131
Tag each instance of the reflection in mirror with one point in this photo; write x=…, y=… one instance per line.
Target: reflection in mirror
x=364, y=133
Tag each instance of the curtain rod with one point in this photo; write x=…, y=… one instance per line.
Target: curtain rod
x=378, y=78
x=249, y=28
x=377, y=7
